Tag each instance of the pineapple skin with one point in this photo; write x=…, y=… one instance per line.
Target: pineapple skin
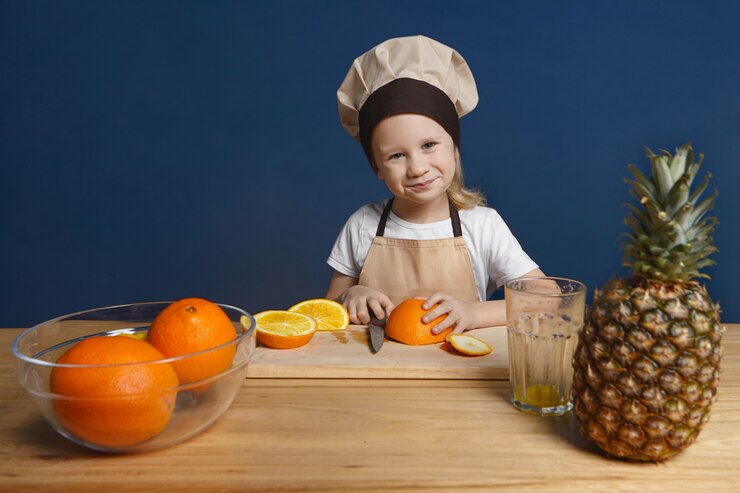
x=647, y=367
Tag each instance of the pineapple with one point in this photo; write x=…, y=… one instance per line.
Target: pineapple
x=646, y=368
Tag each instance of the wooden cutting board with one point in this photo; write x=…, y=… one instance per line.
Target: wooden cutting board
x=347, y=354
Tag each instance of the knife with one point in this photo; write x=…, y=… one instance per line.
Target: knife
x=376, y=327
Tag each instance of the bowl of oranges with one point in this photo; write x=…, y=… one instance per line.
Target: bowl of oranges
x=136, y=377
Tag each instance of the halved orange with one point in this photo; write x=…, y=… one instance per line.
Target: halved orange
x=280, y=329
x=329, y=315
x=405, y=325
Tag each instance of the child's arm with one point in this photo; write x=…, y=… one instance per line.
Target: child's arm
x=357, y=299
x=464, y=315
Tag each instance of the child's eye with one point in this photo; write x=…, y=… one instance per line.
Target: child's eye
x=396, y=155
x=428, y=145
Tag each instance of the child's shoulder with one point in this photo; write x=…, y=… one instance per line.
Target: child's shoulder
x=368, y=213
x=480, y=214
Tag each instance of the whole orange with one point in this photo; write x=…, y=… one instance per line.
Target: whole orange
x=191, y=325
x=113, y=406
x=404, y=324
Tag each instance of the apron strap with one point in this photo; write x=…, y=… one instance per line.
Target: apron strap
x=454, y=217
x=384, y=218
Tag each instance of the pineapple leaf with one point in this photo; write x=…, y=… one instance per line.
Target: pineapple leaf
x=638, y=216
x=678, y=195
x=700, y=189
x=704, y=207
x=698, y=257
x=638, y=191
x=689, y=160
x=643, y=180
x=656, y=215
x=678, y=163
x=661, y=175
x=678, y=231
x=695, y=269
x=633, y=224
x=693, y=167
x=684, y=216
x=703, y=230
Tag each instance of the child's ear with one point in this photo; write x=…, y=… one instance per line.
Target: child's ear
x=376, y=169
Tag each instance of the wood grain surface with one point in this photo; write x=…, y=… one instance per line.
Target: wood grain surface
x=336, y=435
x=347, y=354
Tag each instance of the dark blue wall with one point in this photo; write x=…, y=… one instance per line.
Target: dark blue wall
x=156, y=150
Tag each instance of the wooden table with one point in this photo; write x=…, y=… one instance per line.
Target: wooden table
x=368, y=435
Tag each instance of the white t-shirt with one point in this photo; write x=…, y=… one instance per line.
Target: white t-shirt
x=494, y=252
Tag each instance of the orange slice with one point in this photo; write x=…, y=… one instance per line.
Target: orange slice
x=280, y=329
x=329, y=315
x=469, y=345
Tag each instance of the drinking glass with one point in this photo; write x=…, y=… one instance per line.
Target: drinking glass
x=543, y=318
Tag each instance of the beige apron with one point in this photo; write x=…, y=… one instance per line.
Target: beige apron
x=418, y=268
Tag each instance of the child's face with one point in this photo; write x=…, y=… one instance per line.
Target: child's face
x=415, y=157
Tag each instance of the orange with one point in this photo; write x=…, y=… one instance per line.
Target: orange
x=404, y=324
x=113, y=406
x=280, y=329
x=469, y=345
x=329, y=314
x=191, y=325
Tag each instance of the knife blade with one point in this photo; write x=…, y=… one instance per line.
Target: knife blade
x=376, y=327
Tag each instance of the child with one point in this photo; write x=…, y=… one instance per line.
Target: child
x=434, y=238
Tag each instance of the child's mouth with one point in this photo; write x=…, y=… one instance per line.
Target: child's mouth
x=422, y=185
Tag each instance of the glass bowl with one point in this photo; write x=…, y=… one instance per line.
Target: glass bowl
x=193, y=406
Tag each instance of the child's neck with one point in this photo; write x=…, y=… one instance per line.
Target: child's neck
x=437, y=210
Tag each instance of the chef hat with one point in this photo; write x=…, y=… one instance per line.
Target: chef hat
x=413, y=74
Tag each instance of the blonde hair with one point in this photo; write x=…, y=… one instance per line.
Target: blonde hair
x=461, y=197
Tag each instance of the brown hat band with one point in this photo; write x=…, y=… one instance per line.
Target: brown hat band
x=407, y=95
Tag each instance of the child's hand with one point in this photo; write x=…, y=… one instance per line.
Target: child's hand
x=357, y=299
x=460, y=314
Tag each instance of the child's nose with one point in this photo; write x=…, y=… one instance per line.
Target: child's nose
x=417, y=165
